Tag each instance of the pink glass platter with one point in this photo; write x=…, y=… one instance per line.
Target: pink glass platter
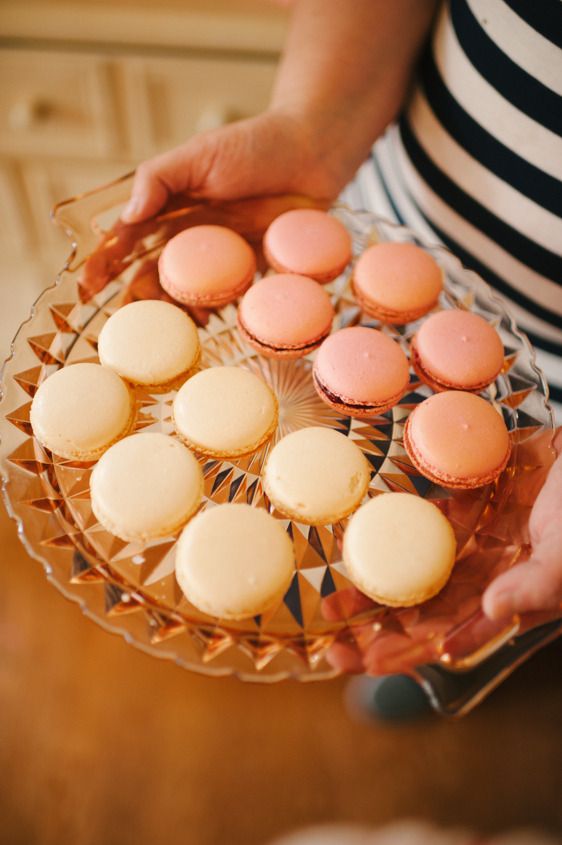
x=132, y=590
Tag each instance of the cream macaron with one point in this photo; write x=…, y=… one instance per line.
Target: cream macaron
x=80, y=410
x=146, y=486
x=234, y=561
x=150, y=343
x=399, y=549
x=225, y=411
x=316, y=475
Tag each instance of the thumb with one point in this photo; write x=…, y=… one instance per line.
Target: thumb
x=533, y=586
x=181, y=170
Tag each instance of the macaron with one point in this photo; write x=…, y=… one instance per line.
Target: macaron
x=234, y=561
x=457, y=350
x=146, y=486
x=309, y=242
x=360, y=372
x=399, y=549
x=316, y=475
x=80, y=410
x=457, y=439
x=224, y=412
x=150, y=342
x=285, y=316
x=206, y=266
x=397, y=282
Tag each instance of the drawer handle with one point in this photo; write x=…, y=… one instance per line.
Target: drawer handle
x=25, y=114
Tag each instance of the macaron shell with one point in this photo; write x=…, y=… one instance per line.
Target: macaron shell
x=286, y=312
x=310, y=242
x=149, y=342
x=457, y=439
x=80, y=410
x=146, y=486
x=458, y=349
x=360, y=365
x=399, y=281
x=207, y=266
x=316, y=475
x=234, y=561
x=225, y=411
x=399, y=549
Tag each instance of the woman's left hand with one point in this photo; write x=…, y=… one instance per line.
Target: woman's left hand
x=532, y=589
x=535, y=586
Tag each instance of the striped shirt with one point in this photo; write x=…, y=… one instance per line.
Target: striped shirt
x=475, y=160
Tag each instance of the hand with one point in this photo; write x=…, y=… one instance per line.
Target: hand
x=274, y=153
x=535, y=586
x=532, y=589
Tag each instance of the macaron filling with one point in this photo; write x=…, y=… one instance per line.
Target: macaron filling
x=287, y=347
x=389, y=315
x=344, y=401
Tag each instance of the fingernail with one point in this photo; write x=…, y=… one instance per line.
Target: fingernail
x=131, y=209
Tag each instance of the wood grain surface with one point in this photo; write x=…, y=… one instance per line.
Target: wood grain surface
x=102, y=744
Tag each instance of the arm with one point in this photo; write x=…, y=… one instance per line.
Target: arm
x=341, y=80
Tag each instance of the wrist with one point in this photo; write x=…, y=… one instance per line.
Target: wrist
x=328, y=152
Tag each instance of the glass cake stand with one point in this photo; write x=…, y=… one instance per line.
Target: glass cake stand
x=131, y=589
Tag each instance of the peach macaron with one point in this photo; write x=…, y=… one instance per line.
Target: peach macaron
x=206, y=266
x=458, y=440
x=285, y=316
x=397, y=282
x=309, y=242
x=457, y=350
x=360, y=371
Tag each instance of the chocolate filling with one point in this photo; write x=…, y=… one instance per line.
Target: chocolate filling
x=339, y=400
x=306, y=346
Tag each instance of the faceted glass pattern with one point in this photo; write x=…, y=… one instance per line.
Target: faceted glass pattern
x=131, y=589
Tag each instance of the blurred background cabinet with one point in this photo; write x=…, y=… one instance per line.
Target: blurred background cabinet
x=88, y=88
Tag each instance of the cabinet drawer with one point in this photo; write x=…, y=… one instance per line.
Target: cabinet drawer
x=55, y=104
x=14, y=225
x=168, y=100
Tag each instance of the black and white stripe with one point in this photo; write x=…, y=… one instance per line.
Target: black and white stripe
x=476, y=159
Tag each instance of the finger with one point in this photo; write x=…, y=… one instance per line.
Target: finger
x=533, y=586
x=182, y=170
x=345, y=657
x=148, y=195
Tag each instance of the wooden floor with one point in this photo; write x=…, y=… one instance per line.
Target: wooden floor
x=102, y=744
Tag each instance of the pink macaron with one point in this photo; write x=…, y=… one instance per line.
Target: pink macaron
x=206, y=266
x=360, y=372
x=457, y=350
x=458, y=440
x=309, y=242
x=397, y=282
x=285, y=315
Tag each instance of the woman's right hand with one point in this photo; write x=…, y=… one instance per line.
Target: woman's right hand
x=274, y=153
